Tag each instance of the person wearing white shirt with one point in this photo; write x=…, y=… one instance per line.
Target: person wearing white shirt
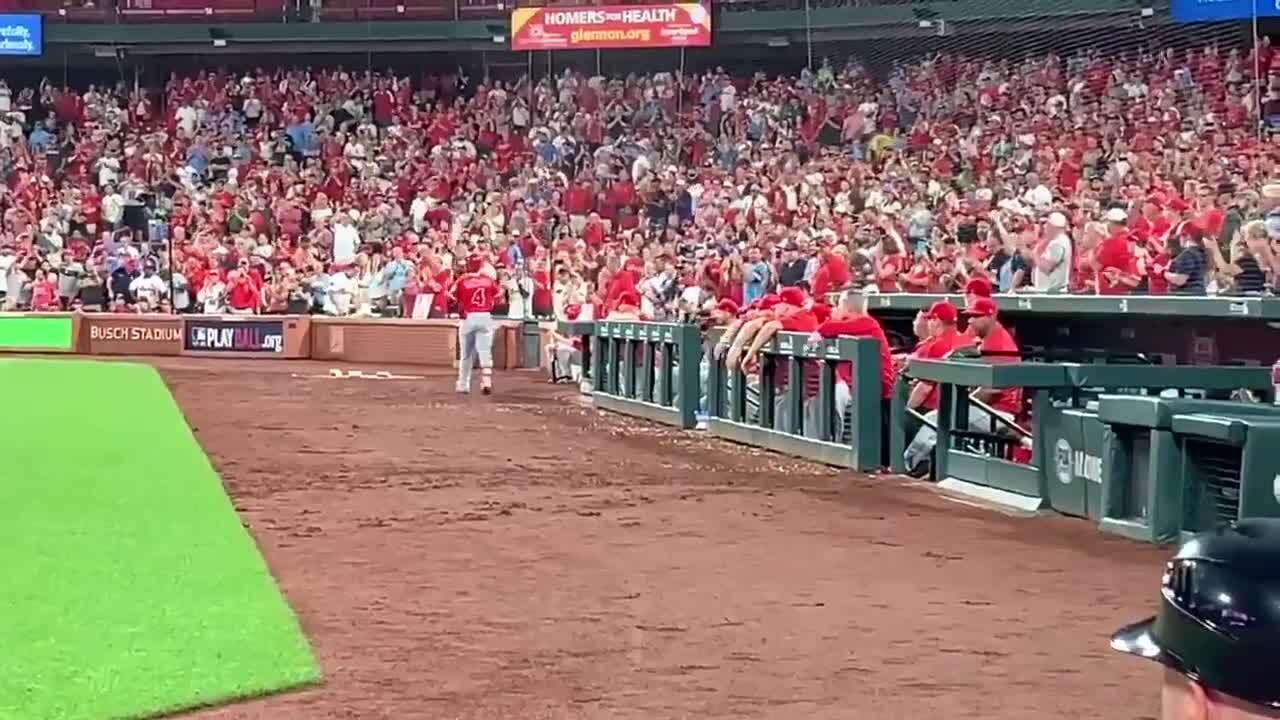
x=641, y=167
x=520, y=115
x=186, y=118
x=418, y=210
x=252, y=111
x=108, y=171
x=339, y=290
x=519, y=289
x=112, y=207
x=1051, y=262
x=1037, y=195
x=148, y=288
x=728, y=98
x=213, y=296
x=345, y=240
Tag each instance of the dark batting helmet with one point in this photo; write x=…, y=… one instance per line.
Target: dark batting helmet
x=1219, y=616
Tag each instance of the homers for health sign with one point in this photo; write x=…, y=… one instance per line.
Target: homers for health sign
x=604, y=27
x=21, y=35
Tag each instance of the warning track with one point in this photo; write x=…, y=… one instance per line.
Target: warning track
x=521, y=556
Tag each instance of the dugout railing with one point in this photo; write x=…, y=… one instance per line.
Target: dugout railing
x=793, y=402
x=647, y=369
x=1063, y=440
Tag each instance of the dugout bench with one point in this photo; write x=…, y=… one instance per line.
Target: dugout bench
x=1072, y=444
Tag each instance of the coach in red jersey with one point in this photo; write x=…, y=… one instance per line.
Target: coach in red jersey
x=996, y=345
x=476, y=293
x=851, y=319
x=974, y=290
x=944, y=339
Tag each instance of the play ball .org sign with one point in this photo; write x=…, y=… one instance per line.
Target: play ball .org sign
x=1069, y=464
x=266, y=337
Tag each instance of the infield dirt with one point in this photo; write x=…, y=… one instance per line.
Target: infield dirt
x=523, y=557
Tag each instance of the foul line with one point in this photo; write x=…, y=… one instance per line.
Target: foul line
x=338, y=374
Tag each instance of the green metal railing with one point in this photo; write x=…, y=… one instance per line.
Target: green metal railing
x=649, y=370
x=1068, y=442
x=584, y=330
x=754, y=410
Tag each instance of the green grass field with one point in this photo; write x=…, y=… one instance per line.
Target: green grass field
x=128, y=587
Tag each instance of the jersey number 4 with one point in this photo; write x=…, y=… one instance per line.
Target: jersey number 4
x=478, y=297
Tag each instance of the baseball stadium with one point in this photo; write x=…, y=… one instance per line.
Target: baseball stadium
x=464, y=359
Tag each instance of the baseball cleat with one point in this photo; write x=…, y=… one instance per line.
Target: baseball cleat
x=486, y=390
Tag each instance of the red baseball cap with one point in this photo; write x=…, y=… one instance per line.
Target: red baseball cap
x=982, y=307
x=979, y=286
x=728, y=305
x=942, y=310
x=572, y=312
x=628, y=297
x=822, y=311
x=792, y=296
x=769, y=301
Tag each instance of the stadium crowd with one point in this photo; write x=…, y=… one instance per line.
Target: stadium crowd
x=355, y=192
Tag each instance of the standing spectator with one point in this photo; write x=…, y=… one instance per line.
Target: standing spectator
x=755, y=281
x=148, y=287
x=212, y=296
x=1050, y=260
x=112, y=206
x=1114, y=261
x=243, y=295
x=1188, y=274
x=44, y=292
x=794, y=267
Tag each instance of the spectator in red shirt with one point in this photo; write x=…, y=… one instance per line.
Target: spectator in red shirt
x=243, y=295
x=1115, y=263
x=833, y=274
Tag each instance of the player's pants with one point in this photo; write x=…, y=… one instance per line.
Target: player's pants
x=844, y=395
x=475, y=338
x=565, y=361
x=926, y=438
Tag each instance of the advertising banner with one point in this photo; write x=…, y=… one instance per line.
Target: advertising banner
x=611, y=26
x=132, y=335
x=264, y=337
x=21, y=35
x=1222, y=10
x=41, y=333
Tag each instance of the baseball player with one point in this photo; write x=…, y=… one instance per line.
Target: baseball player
x=476, y=293
x=1217, y=629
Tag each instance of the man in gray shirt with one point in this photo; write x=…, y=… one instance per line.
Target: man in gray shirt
x=1050, y=259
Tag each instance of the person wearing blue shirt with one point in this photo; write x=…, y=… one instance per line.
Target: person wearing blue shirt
x=302, y=135
x=40, y=139
x=395, y=275
x=755, y=276
x=549, y=153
